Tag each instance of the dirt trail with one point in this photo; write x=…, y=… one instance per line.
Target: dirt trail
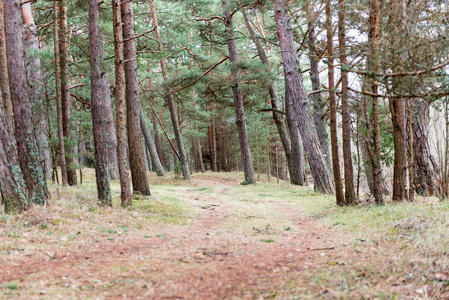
x=216, y=259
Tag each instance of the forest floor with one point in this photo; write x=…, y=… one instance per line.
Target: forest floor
x=212, y=238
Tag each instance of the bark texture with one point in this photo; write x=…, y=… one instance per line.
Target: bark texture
x=23, y=126
x=245, y=151
x=12, y=185
x=98, y=108
x=427, y=175
x=4, y=82
x=122, y=157
x=397, y=108
x=137, y=159
x=299, y=98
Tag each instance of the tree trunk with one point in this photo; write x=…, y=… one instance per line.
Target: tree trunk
x=150, y=145
x=350, y=198
x=245, y=151
x=374, y=66
x=333, y=107
x=427, y=176
x=157, y=140
x=65, y=92
x=176, y=128
x=200, y=154
x=299, y=98
x=99, y=107
x=58, y=96
x=295, y=167
x=4, y=82
x=35, y=80
x=137, y=160
x=23, y=126
x=12, y=185
x=317, y=101
x=397, y=108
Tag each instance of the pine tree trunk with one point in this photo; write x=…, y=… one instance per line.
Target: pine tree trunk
x=296, y=163
x=397, y=108
x=157, y=140
x=62, y=158
x=427, y=175
x=150, y=145
x=35, y=80
x=333, y=107
x=299, y=98
x=98, y=108
x=23, y=126
x=4, y=82
x=245, y=151
x=169, y=99
x=350, y=197
x=111, y=138
x=65, y=92
x=200, y=153
x=374, y=66
x=317, y=101
x=12, y=185
x=137, y=160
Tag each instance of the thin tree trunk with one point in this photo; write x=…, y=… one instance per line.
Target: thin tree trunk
x=374, y=65
x=245, y=151
x=137, y=160
x=23, y=127
x=200, y=154
x=150, y=145
x=350, y=197
x=299, y=98
x=98, y=107
x=35, y=80
x=177, y=130
x=65, y=92
x=4, y=81
x=397, y=108
x=58, y=96
x=333, y=106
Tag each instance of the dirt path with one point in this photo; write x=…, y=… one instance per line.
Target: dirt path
x=268, y=249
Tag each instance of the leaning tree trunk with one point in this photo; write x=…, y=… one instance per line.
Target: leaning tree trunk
x=350, y=198
x=245, y=151
x=299, y=98
x=122, y=157
x=137, y=160
x=151, y=147
x=4, y=82
x=169, y=99
x=65, y=92
x=427, y=176
x=295, y=162
x=23, y=126
x=98, y=108
x=35, y=79
x=12, y=185
x=317, y=101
